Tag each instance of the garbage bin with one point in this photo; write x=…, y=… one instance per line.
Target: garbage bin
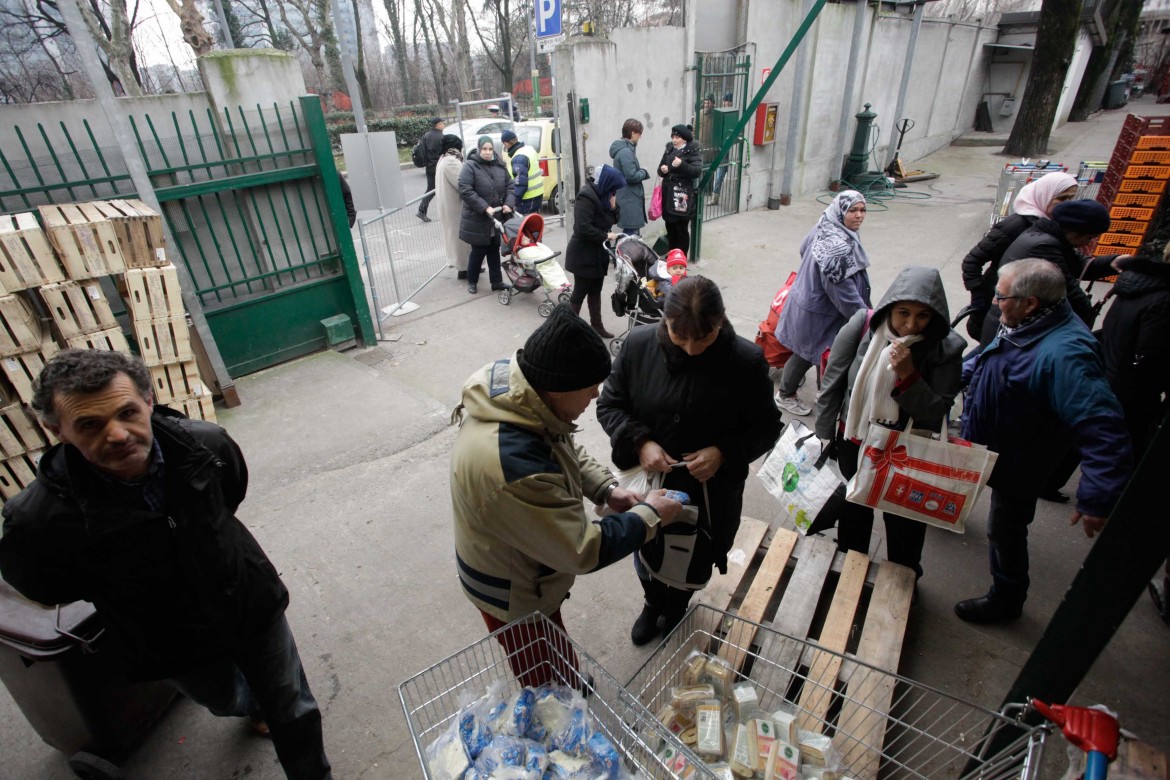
x=67, y=679
x=1115, y=96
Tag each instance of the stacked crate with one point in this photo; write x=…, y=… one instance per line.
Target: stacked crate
x=26, y=262
x=1134, y=183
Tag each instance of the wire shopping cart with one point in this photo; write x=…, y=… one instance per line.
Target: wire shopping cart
x=433, y=697
x=881, y=724
x=1012, y=179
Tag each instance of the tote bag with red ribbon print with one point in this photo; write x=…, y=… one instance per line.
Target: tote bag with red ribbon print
x=933, y=482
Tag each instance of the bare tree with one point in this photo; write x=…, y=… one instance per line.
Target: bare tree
x=191, y=23
x=259, y=26
x=394, y=8
x=1121, y=26
x=311, y=35
x=498, y=36
x=114, y=40
x=360, y=65
x=1056, y=38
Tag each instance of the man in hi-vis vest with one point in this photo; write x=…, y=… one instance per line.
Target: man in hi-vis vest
x=527, y=177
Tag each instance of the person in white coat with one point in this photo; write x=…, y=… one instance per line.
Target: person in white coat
x=448, y=205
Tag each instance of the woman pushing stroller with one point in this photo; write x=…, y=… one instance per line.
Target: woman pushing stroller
x=902, y=363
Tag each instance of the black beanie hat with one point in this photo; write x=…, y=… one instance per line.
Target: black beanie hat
x=564, y=354
x=1083, y=216
x=683, y=132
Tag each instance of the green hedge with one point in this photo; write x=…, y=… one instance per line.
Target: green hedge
x=408, y=128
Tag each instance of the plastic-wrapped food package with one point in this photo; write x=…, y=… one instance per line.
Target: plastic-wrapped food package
x=709, y=729
x=744, y=701
x=536, y=758
x=562, y=766
x=553, y=707
x=604, y=756
x=685, y=698
x=693, y=667
x=765, y=735
x=517, y=716
x=783, y=762
x=811, y=772
x=503, y=751
x=785, y=721
x=474, y=732
x=719, y=675
x=742, y=752
x=721, y=770
x=447, y=757
x=574, y=737
x=817, y=749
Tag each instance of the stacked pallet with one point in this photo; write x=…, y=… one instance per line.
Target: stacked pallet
x=1134, y=183
x=26, y=262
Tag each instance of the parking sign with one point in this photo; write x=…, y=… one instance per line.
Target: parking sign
x=548, y=18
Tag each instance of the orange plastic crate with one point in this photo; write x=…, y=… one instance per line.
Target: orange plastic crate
x=1124, y=212
x=1106, y=249
x=1136, y=199
x=1147, y=172
x=1128, y=226
x=1121, y=239
x=1142, y=185
x=1154, y=142
x=1154, y=158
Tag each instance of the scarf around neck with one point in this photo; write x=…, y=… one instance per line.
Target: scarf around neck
x=835, y=248
x=872, y=400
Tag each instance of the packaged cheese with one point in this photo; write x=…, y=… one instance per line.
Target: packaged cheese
x=811, y=772
x=719, y=675
x=783, y=762
x=709, y=725
x=685, y=698
x=721, y=770
x=744, y=701
x=742, y=755
x=817, y=749
x=765, y=733
x=693, y=668
x=785, y=722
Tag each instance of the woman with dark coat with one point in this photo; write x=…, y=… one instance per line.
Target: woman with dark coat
x=904, y=362
x=585, y=256
x=681, y=164
x=981, y=265
x=690, y=399
x=485, y=190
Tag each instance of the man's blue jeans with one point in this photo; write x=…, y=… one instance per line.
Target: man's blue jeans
x=265, y=680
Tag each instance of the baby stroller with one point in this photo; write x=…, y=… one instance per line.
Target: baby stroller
x=530, y=264
x=638, y=291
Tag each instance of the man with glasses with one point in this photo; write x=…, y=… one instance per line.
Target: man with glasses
x=1038, y=388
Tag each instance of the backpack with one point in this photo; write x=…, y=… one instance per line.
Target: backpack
x=418, y=155
x=774, y=352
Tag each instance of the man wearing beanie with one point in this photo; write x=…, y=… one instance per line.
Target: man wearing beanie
x=681, y=164
x=527, y=179
x=1059, y=239
x=432, y=143
x=518, y=483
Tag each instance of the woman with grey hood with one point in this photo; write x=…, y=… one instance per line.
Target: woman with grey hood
x=631, y=199
x=902, y=363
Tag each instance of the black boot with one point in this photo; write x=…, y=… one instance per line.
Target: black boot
x=646, y=626
x=576, y=307
x=595, y=318
x=988, y=609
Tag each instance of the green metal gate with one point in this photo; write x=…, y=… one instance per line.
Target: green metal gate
x=721, y=92
x=253, y=201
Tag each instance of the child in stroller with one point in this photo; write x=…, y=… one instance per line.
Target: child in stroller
x=639, y=290
x=530, y=264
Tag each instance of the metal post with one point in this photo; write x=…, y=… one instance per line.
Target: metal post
x=795, y=121
x=136, y=167
x=904, y=87
x=562, y=200
x=370, y=280
x=532, y=63
x=223, y=24
x=859, y=25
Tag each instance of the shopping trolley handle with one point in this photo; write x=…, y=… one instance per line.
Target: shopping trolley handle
x=1087, y=729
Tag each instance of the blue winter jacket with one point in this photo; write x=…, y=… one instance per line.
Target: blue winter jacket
x=1035, y=391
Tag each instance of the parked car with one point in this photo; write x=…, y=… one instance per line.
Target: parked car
x=541, y=135
x=471, y=129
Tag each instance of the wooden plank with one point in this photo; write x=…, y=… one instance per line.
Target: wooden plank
x=18, y=473
x=202, y=408
x=78, y=307
x=111, y=340
x=177, y=382
x=1140, y=761
x=154, y=293
x=22, y=369
x=722, y=587
x=755, y=604
x=20, y=330
x=19, y=431
x=163, y=341
x=26, y=259
x=139, y=229
x=814, y=559
x=818, y=691
x=84, y=239
x=864, y=714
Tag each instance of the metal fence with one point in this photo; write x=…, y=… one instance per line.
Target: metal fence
x=402, y=256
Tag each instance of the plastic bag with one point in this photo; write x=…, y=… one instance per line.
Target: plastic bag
x=795, y=473
x=447, y=757
x=655, y=211
x=605, y=757
x=575, y=736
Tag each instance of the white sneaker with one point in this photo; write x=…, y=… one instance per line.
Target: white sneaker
x=792, y=404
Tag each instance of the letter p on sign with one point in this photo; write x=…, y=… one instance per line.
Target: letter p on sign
x=548, y=18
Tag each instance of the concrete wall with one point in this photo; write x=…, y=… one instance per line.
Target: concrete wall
x=715, y=28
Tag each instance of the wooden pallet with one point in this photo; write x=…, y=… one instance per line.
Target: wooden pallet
x=26, y=259
x=139, y=231
x=24, y=368
x=19, y=431
x=20, y=330
x=798, y=580
x=18, y=473
x=78, y=308
x=111, y=340
x=201, y=408
x=177, y=382
x=153, y=293
x=84, y=239
x=163, y=341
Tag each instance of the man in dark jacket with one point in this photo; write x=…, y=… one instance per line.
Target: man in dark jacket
x=1038, y=387
x=134, y=512
x=432, y=142
x=527, y=178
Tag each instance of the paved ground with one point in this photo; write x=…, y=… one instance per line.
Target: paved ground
x=349, y=495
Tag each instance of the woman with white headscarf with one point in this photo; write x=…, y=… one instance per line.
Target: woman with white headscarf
x=981, y=265
x=831, y=286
